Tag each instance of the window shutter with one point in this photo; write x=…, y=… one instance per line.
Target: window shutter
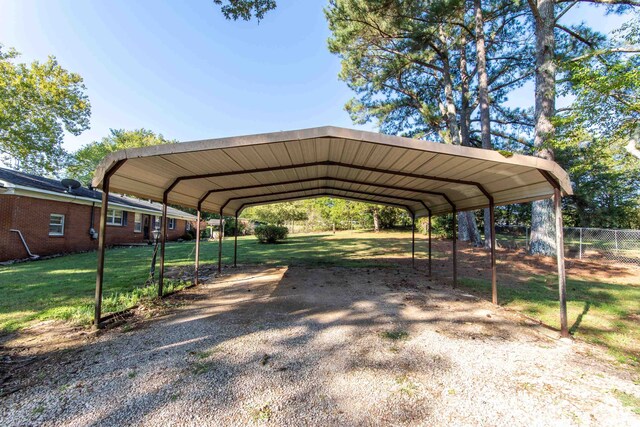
x=124, y=217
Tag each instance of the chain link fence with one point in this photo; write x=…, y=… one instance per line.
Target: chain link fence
x=582, y=243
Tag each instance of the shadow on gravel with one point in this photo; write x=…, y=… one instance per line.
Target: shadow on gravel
x=274, y=325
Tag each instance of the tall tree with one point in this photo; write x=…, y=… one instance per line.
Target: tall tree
x=407, y=62
x=594, y=131
x=38, y=102
x=546, y=22
x=83, y=162
x=483, y=97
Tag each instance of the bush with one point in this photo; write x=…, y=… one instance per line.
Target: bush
x=271, y=233
x=189, y=235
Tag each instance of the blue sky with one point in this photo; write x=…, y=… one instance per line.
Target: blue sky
x=181, y=69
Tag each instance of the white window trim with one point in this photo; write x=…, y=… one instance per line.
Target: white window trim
x=137, y=225
x=61, y=224
x=172, y=223
x=111, y=218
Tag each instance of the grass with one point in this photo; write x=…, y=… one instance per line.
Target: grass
x=598, y=312
x=628, y=400
x=263, y=413
x=395, y=335
x=62, y=288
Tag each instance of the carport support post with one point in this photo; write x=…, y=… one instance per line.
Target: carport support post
x=163, y=241
x=413, y=240
x=429, y=244
x=101, y=246
x=197, y=263
x=494, y=280
x=220, y=244
x=562, y=283
x=235, y=243
x=455, y=248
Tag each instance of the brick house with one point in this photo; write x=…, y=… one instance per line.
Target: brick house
x=48, y=218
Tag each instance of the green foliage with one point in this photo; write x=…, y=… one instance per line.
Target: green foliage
x=84, y=161
x=404, y=61
x=271, y=233
x=38, y=102
x=230, y=227
x=245, y=9
x=323, y=213
x=189, y=235
x=277, y=213
x=395, y=335
x=592, y=134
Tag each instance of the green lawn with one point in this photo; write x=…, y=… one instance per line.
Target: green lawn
x=63, y=288
x=602, y=313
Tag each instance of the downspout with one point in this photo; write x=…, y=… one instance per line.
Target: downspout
x=32, y=256
x=92, y=231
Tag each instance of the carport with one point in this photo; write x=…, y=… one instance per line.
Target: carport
x=227, y=175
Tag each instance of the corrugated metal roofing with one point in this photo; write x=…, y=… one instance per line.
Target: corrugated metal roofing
x=230, y=174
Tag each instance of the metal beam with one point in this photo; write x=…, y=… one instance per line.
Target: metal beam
x=220, y=244
x=562, y=279
x=562, y=282
x=413, y=241
x=429, y=244
x=324, y=187
x=494, y=274
x=102, y=241
x=284, y=199
x=455, y=249
x=327, y=163
x=323, y=178
x=163, y=241
x=235, y=243
x=197, y=263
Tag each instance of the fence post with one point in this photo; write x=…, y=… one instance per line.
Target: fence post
x=580, y=256
x=615, y=234
x=526, y=238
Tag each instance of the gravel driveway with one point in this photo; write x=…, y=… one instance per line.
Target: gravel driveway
x=324, y=346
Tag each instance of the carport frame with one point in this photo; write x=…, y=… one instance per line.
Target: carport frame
x=108, y=169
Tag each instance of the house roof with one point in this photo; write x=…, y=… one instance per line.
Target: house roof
x=34, y=184
x=229, y=174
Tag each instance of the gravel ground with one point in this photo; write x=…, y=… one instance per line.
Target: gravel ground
x=330, y=346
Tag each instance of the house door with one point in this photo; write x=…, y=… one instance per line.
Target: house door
x=145, y=227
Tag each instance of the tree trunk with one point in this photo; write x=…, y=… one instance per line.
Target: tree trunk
x=484, y=101
x=542, y=215
x=451, y=115
x=376, y=220
x=467, y=225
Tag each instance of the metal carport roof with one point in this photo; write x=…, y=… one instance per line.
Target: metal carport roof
x=229, y=173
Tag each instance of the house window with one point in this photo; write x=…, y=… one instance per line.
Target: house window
x=172, y=223
x=56, y=225
x=188, y=226
x=114, y=217
x=137, y=223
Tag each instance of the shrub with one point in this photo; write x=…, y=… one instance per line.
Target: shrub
x=189, y=235
x=271, y=233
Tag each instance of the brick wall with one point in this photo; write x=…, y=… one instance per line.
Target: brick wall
x=31, y=216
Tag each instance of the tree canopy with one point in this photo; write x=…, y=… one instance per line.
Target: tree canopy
x=83, y=162
x=245, y=9
x=38, y=102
